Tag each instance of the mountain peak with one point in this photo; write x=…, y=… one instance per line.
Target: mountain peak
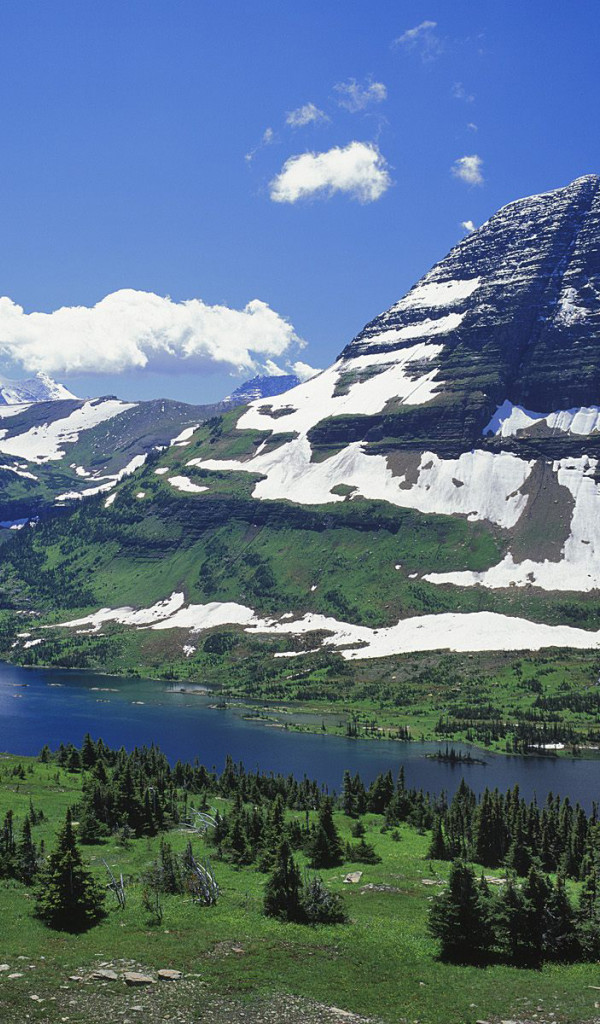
x=41, y=388
x=262, y=387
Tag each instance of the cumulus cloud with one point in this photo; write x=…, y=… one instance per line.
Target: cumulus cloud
x=468, y=168
x=423, y=39
x=468, y=226
x=133, y=329
x=354, y=97
x=358, y=169
x=304, y=371
x=307, y=114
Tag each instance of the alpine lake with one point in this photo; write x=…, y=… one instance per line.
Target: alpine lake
x=39, y=706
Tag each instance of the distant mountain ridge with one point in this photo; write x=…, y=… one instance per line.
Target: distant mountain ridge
x=262, y=387
x=40, y=388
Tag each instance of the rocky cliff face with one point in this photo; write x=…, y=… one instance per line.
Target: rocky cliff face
x=516, y=306
x=475, y=395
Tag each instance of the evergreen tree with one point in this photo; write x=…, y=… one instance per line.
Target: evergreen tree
x=26, y=855
x=362, y=852
x=324, y=847
x=460, y=917
x=588, y=916
x=535, y=892
x=437, y=846
x=510, y=922
x=68, y=897
x=320, y=905
x=282, y=897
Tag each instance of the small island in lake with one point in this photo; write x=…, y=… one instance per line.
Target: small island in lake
x=452, y=756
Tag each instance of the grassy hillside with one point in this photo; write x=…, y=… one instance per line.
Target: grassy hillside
x=238, y=964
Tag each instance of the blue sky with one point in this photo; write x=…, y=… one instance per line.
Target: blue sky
x=144, y=147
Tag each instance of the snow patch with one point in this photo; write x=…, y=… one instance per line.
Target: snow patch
x=455, y=631
x=437, y=293
x=183, y=438
x=509, y=419
x=579, y=566
x=183, y=483
x=313, y=401
x=128, y=616
x=44, y=443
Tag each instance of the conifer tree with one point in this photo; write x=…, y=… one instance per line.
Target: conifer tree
x=26, y=855
x=437, y=846
x=324, y=846
x=560, y=938
x=282, y=897
x=68, y=896
x=460, y=917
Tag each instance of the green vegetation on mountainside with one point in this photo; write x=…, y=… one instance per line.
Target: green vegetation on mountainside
x=354, y=560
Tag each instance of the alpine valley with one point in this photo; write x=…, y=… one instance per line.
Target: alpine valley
x=413, y=532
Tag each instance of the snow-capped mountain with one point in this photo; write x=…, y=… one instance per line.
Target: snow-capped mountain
x=40, y=388
x=476, y=395
x=262, y=387
x=437, y=486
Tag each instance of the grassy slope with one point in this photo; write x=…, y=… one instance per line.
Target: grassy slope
x=382, y=964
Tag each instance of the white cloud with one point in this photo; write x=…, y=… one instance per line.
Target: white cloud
x=423, y=39
x=468, y=168
x=354, y=97
x=472, y=126
x=304, y=371
x=273, y=370
x=358, y=169
x=308, y=114
x=468, y=226
x=460, y=93
x=133, y=329
x=267, y=138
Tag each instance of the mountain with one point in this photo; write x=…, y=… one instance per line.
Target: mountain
x=436, y=489
x=40, y=388
x=262, y=387
x=56, y=448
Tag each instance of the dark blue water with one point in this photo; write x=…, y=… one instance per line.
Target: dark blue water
x=39, y=706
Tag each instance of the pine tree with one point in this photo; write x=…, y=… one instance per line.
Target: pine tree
x=588, y=916
x=560, y=938
x=536, y=893
x=68, y=897
x=460, y=918
x=437, y=846
x=510, y=922
x=282, y=897
x=320, y=905
x=26, y=855
x=324, y=847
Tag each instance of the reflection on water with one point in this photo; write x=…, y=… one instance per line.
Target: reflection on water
x=39, y=706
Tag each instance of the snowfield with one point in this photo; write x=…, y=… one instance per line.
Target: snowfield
x=509, y=419
x=453, y=631
x=480, y=485
x=45, y=443
x=313, y=401
x=579, y=566
x=431, y=294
